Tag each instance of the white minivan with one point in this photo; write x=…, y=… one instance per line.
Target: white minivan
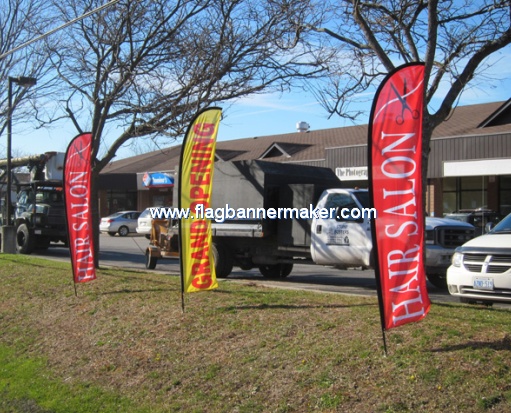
x=481, y=268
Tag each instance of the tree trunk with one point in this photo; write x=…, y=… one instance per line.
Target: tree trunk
x=95, y=214
x=427, y=132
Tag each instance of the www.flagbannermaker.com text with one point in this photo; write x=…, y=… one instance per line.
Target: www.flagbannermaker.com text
x=227, y=212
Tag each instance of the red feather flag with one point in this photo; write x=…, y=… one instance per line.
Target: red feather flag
x=77, y=190
x=395, y=162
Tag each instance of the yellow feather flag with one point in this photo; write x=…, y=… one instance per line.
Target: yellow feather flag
x=195, y=187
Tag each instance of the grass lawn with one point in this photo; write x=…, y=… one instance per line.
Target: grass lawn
x=124, y=345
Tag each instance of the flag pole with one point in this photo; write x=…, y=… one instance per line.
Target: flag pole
x=377, y=267
x=375, y=255
x=180, y=226
x=380, y=302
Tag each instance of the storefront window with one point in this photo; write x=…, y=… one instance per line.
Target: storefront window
x=474, y=192
x=449, y=202
x=449, y=198
x=469, y=192
x=121, y=201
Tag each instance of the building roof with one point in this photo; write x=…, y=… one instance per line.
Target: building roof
x=473, y=120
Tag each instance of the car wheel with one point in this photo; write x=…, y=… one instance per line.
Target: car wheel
x=25, y=241
x=112, y=234
x=276, y=270
x=150, y=261
x=123, y=231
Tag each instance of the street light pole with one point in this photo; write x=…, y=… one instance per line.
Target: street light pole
x=8, y=234
x=8, y=202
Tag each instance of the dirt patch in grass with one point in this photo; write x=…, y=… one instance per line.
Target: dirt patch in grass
x=249, y=348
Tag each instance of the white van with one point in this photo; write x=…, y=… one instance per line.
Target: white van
x=481, y=268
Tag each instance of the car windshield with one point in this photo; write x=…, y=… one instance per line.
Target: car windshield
x=48, y=197
x=503, y=226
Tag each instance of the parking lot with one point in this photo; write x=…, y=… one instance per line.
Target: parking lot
x=128, y=252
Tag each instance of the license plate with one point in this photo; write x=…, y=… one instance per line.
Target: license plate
x=483, y=283
x=38, y=232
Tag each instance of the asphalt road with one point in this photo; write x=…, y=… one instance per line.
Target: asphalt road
x=128, y=252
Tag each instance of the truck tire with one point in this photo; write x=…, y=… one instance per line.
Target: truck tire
x=150, y=261
x=123, y=231
x=223, y=259
x=276, y=270
x=25, y=240
x=438, y=280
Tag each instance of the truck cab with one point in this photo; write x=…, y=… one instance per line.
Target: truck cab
x=344, y=240
x=40, y=216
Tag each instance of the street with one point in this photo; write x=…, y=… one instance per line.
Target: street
x=128, y=252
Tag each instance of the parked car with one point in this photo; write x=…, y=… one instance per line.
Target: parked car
x=121, y=223
x=144, y=223
x=477, y=217
x=443, y=236
x=481, y=268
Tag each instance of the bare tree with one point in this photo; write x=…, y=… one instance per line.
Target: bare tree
x=146, y=67
x=20, y=21
x=454, y=38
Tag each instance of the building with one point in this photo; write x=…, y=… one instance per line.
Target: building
x=469, y=163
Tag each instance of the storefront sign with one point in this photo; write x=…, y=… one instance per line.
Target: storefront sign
x=157, y=180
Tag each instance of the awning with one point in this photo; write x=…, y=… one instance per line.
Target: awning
x=483, y=167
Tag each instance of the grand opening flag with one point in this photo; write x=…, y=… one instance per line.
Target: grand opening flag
x=195, y=187
x=77, y=190
x=395, y=162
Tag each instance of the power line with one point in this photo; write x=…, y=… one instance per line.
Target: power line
x=69, y=23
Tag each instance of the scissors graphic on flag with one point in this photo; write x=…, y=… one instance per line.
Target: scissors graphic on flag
x=400, y=119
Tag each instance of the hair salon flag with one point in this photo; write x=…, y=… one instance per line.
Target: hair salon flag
x=195, y=186
x=395, y=162
x=77, y=190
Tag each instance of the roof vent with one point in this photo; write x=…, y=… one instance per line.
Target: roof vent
x=302, y=127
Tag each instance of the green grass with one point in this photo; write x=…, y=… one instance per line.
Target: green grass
x=124, y=345
x=26, y=386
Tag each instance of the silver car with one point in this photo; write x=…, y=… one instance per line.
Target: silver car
x=121, y=223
